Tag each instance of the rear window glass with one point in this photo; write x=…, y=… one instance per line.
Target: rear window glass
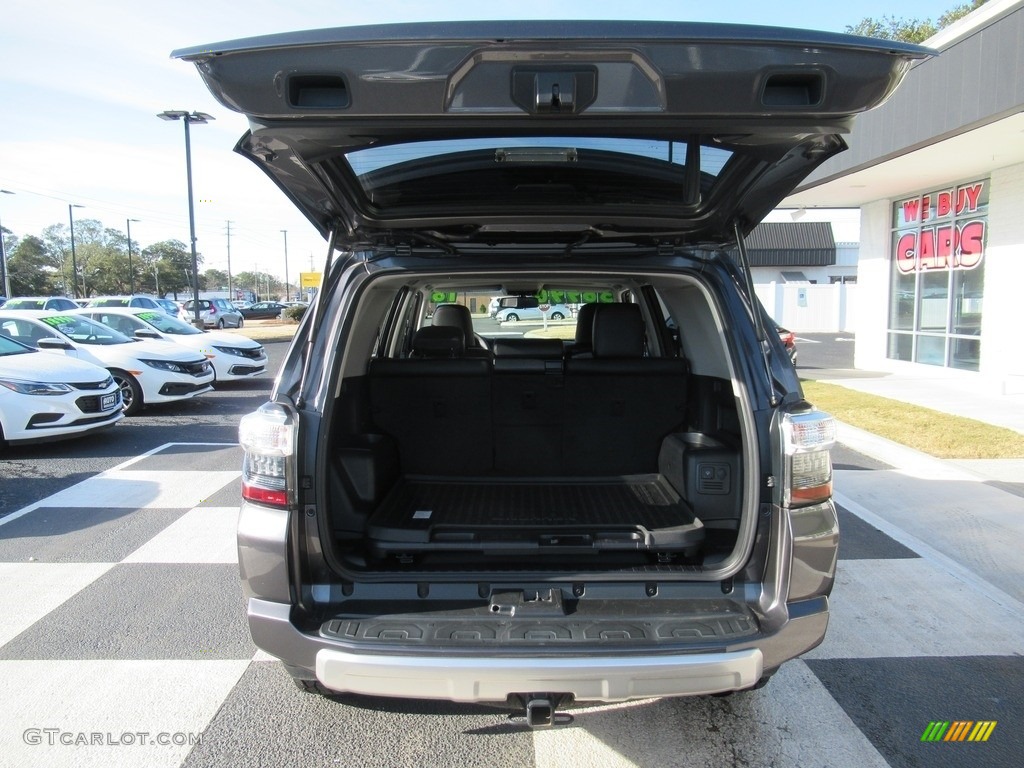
x=533, y=169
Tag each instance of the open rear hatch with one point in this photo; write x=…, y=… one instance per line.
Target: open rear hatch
x=462, y=133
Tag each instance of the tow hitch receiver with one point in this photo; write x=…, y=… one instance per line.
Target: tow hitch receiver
x=540, y=709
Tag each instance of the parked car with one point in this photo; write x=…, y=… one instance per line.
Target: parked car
x=172, y=308
x=49, y=303
x=232, y=355
x=553, y=312
x=146, y=372
x=139, y=302
x=215, y=313
x=788, y=339
x=44, y=397
x=264, y=310
x=650, y=518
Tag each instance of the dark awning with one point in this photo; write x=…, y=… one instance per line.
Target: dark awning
x=792, y=244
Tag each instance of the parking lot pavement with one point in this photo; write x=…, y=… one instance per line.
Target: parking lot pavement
x=123, y=642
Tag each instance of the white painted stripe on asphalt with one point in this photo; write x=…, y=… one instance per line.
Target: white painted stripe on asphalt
x=118, y=700
x=147, y=454
x=32, y=590
x=943, y=562
x=123, y=465
x=123, y=489
x=202, y=535
x=910, y=607
x=785, y=723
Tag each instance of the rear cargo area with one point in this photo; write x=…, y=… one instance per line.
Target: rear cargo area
x=529, y=516
x=608, y=453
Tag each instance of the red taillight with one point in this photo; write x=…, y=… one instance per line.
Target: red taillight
x=264, y=495
x=807, y=439
x=268, y=439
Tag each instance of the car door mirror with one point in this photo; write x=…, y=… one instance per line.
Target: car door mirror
x=146, y=333
x=48, y=342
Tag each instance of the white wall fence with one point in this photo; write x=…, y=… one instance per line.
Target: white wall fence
x=808, y=308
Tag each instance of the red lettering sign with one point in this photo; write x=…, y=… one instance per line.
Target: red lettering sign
x=911, y=209
x=946, y=247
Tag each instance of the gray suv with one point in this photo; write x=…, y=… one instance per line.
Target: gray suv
x=638, y=506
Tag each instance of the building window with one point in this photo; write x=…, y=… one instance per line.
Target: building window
x=937, y=270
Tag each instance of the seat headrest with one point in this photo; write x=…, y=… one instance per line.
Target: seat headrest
x=454, y=316
x=618, y=331
x=585, y=324
x=438, y=341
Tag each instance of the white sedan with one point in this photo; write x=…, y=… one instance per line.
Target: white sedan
x=147, y=372
x=44, y=397
x=232, y=356
x=554, y=312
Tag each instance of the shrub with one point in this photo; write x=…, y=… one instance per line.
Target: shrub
x=295, y=313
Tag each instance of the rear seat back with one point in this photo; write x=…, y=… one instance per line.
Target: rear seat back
x=433, y=404
x=529, y=413
x=619, y=405
x=528, y=401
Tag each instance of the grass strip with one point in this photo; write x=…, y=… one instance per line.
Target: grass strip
x=933, y=432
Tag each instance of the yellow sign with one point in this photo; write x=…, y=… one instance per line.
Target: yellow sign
x=309, y=279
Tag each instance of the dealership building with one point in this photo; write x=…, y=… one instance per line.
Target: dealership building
x=938, y=175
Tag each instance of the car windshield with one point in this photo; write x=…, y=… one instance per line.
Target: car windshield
x=10, y=347
x=167, y=324
x=110, y=303
x=26, y=304
x=85, y=331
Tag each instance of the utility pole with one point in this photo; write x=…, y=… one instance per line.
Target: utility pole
x=287, y=293
x=231, y=292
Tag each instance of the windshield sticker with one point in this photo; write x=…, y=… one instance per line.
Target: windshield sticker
x=148, y=315
x=58, y=320
x=544, y=296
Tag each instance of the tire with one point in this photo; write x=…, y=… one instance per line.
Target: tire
x=131, y=392
x=557, y=316
x=220, y=324
x=512, y=317
x=241, y=321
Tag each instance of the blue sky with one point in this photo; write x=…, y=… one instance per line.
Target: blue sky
x=81, y=84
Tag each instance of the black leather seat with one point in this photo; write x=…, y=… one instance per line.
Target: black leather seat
x=459, y=316
x=619, y=404
x=583, y=342
x=432, y=401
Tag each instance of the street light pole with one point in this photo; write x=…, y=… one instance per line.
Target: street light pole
x=200, y=118
x=131, y=273
x=287, y=292
x=74, y=259
x=3, y=256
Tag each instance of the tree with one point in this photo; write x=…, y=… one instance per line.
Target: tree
x=216, y=279
x=169, y=264
x=34, y=272
x=911, y=30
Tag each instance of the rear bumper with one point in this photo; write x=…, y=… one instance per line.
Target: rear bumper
x=490, y=677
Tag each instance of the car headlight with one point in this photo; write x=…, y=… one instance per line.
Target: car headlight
x=35, y=387
x=236, y=351
x=164, y=365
